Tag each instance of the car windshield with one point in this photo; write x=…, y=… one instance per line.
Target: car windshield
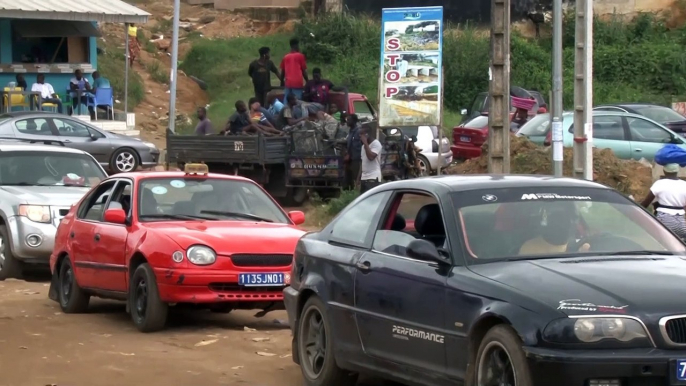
x=537, y=126
x=554, y=222
x=195, y=198
x=660, y=114
x=478, y=122
x=45, y=168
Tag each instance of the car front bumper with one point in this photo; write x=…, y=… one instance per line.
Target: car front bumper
x=150, y=158
x=631, y=367
x=21, y=229
x=211, y=286
x=445, y=159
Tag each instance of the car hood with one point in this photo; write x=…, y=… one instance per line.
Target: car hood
x=47, y=195
x=597, y=285
x=229, y=237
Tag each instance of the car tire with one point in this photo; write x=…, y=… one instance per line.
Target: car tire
x=319, y=368
x=72, y=298
x=10, y=267
x=500, y=354
x=148, y=311
x=424, y=166
x=124, y=160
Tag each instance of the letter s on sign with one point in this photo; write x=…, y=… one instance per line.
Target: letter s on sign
x=393, y=44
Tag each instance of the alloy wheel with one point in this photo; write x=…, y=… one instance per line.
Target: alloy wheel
x=422, y=167
x=495, y=367
x=314, y=339
x=2, y=253
x=125, y=161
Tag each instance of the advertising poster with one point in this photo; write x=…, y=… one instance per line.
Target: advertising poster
x=411, y=62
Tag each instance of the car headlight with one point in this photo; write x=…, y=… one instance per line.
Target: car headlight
x=592, y=330
x=201, y=255
x=150, y=144
x=36, y=213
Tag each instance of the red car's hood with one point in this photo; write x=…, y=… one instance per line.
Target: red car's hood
x=229, y=237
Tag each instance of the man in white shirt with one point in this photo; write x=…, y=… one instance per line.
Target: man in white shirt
x=371, y=164
x=47, y=93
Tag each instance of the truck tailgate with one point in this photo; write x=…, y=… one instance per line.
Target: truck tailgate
x=227, y=149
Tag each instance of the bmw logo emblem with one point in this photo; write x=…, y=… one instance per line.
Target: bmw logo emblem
x=489, y=198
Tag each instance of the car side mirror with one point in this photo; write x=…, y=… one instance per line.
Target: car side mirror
x=297, y=217
x=463, y=112
x=115, y=216
x=425, y=250
x=413, y=138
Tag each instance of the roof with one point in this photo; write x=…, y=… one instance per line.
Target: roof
x=107, y=11
x=461, y=182
x=173, y=174
x=6, y=146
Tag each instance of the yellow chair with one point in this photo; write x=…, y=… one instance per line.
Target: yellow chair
x=52, y=106
x=18, y=100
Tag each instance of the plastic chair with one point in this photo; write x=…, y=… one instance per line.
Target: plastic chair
x=18, y=100
x=104, y=96
x=48, y=105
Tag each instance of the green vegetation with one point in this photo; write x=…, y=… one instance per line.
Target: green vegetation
x=111, y=65
x=157, y=73
x=322, y=212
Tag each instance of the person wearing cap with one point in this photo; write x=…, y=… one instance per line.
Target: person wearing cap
x=669, y=195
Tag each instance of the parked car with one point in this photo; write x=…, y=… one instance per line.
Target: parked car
x=115, y=152
x=479, y=105
x=428, y=140
x=407, y=284
x=159, y=239
x=660, y=114
x=38, y=184
x=629, y=136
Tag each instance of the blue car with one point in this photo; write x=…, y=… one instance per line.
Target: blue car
x=629, y=136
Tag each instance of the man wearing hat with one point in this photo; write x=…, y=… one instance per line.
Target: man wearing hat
x=669, y=194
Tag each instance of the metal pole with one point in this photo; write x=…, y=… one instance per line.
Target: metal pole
x=126, y=73
x=556, y=102
x=499, y=89
x=174, y=66
x=583, y=91
x=440, y=126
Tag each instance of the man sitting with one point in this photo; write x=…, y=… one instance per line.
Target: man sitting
x=47, y=93
x=79, y=85
x=241, y=123
x=100, y=82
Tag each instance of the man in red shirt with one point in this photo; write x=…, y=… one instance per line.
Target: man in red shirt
x=294, y=71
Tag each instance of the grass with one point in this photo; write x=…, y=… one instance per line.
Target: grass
x=111, y=65
x=157, y=73
x=321, y=212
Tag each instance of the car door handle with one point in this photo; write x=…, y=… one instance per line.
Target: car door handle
x=363, y=266
x=67, y=141
x=638, y=149
x=71, y=235
x=97, y=237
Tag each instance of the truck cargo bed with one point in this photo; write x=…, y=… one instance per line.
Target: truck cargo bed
x=227, y=149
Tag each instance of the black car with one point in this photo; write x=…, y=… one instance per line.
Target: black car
x=660, y=114
x=490, y=280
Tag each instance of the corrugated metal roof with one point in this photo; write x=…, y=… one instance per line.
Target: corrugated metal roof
x=108, y=11
x=54, y=28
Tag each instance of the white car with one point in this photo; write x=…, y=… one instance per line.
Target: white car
x=427, y=140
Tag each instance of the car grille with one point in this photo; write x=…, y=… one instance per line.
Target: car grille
x=233, y=287
x=234, y=292
x=674, y=329
x=261, y=260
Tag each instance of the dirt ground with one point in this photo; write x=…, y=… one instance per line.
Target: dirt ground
x=42, y=346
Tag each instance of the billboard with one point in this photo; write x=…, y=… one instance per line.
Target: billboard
x=411, y=60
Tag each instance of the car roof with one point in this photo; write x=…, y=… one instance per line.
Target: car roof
x=142, y=175
x=457, y=183
x=10, y=145
x=18, y=114
x=631, y=104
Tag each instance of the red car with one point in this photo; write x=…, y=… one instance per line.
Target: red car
x=158, y=239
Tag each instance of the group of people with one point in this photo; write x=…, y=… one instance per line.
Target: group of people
x=79, y=90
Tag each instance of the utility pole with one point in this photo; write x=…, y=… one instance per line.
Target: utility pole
x=174, y=66
x=583, y=91
x=556, y=102
x=499, y=89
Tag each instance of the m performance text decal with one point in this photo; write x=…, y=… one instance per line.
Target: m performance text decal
x=406, y=333
x=552, y=196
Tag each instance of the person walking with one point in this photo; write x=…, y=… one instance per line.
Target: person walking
x=134, y=44
x=371, y=164
x=669, y=193
x=294, y=71
x=353, y=157
x=260, y=71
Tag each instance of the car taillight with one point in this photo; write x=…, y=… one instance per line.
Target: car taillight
x=548, y=138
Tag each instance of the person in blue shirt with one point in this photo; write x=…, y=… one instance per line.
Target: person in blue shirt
x=99, y=81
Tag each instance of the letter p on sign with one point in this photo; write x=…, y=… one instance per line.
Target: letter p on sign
x=390, y=91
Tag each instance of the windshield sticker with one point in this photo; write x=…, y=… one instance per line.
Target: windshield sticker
x=159, y=190
x=405, y=333
x=577, y=305
x=177, y=184
x=489, y=198
x=73, y=176
x=552, y=196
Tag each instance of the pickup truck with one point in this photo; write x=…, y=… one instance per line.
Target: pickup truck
x=273, y=162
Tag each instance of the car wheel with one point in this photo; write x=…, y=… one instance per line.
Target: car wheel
x=73, y=300
x=124, y=160
x=424, y=166
x=10, y=267
x=148, y=312
x=501, y=360
x=315, y=349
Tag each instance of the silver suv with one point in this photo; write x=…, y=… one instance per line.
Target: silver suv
x=38, y=185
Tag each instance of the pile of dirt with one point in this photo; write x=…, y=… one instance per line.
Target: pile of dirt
x=628, y=176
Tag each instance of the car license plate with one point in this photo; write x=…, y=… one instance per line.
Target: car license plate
x=465, y=139
x=678, y=369
x=261, y=279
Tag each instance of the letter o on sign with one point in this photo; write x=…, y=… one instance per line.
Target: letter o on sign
x=392, y=76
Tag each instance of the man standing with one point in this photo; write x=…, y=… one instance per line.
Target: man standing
x=204, y=126
x=353, y=158
x=47, y=93
x=317, y=89
x=371, y=164
x=79, y=85
x=260, y=71
x=293, y=71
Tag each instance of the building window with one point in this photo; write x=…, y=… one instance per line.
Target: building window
x=51, y=41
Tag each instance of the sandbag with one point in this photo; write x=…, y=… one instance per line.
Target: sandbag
x=671, y=154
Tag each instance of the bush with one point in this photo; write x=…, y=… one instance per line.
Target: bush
x=111, y=65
